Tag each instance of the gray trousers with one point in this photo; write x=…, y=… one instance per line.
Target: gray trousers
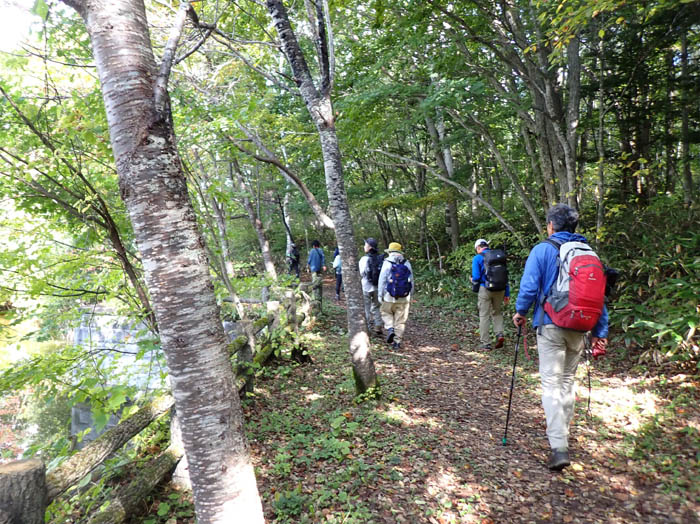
x=490, y=307
x=560, y=352
x=372, y=314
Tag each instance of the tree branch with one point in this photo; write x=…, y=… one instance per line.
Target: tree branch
x=459, y=187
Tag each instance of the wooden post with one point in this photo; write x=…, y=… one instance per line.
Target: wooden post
x=23, y=492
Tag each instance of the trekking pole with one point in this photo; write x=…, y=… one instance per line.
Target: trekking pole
x=512, y=383
x=588, y=351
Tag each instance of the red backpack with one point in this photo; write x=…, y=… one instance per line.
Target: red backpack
x=577, y=297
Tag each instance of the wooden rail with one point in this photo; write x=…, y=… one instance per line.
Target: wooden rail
x=26, y=488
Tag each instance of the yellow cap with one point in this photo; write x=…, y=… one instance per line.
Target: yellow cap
x=394, y=246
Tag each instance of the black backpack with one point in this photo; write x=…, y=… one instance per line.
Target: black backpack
x=496, y=270
x=374, y=267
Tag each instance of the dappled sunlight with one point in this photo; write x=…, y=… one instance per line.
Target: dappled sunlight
x=395, y=414
x=454, y=498
x=619, y=403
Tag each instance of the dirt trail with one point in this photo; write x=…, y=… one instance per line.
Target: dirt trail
x=437, y=449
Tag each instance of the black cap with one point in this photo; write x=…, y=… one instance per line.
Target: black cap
x=372, y=242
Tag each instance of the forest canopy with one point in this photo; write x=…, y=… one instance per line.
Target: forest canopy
x=425, y=122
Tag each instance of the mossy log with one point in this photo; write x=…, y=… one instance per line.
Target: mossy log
x=125, y=501
x=83, y=462
x=258, y=325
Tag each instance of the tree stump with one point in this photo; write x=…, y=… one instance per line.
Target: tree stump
x=22, y=492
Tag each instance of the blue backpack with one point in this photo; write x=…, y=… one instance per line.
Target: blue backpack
x=399, y=283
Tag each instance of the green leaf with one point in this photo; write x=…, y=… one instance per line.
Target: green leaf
x=41, y=9
x=100, y=418
x=601, y=33
x=163, y=509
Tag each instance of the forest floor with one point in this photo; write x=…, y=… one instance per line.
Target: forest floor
x=430, y=449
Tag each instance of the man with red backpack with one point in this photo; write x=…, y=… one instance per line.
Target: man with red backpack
x=565, y=281
x=394, y=291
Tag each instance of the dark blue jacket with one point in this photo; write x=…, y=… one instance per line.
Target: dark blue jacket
x=479, y=271
x=539, y=277
x=316, y=259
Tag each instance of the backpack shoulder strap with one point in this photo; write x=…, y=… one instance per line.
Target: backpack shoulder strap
x=553, y=243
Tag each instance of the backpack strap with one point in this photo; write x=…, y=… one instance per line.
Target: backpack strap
x=553, y=243
x=544, y=295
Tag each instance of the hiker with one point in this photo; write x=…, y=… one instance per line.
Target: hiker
x=293, y=259
x=489, y=273
x=394, y=290
x=370, y=267
x=560, y=348
x=316, y=263
x=338, y=266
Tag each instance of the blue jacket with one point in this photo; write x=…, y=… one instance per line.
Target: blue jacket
x=479, y=271
x=538, y=278
x=316, y=260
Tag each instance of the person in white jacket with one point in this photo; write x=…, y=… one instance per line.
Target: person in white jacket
x=395, y=288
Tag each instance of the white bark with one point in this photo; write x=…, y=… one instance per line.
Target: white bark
x=175, y=263
x=320, y=109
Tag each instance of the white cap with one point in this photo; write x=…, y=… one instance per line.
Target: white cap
x=480, y=242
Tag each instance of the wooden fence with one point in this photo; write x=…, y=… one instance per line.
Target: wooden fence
x=26, y=488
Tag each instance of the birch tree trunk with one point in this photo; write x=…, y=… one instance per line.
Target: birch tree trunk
x=240, y=184
x=153, y=188
x=318, y=103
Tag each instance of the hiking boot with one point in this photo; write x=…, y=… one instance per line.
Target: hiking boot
x=378, y=332
x=337, y=298
x=390, y=336
x=559, y=459
x=485, y=347
x=500, y=339
x=396, y=345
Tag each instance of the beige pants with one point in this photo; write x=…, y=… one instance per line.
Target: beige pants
x=394, y=315
x=490, y=306
x=560, y=352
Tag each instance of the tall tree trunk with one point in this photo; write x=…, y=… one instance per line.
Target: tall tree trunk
x=443, y=157
x=253, y=215
x=688, y=189
x=384, y=227
x=669, y=140
x=600, y=143
x=175, y=262
x=318, y=103
x=573, y=84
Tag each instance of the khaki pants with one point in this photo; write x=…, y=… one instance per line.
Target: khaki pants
x=394, y=315
x=372, y=314
x=490, y=306
x=560, y=352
